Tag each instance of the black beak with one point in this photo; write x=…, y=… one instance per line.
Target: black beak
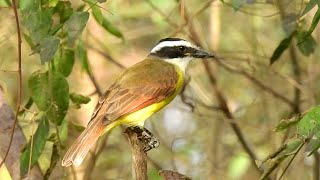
x=202, y=54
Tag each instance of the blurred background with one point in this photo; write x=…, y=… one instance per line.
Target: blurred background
x=199, y=136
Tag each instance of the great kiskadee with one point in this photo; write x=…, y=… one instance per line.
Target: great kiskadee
x=142, y=90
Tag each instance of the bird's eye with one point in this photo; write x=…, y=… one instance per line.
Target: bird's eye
x=182, y=48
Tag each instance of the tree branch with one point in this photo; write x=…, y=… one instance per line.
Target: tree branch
x=139, y=157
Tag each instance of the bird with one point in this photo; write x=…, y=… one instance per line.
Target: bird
x=140, y=91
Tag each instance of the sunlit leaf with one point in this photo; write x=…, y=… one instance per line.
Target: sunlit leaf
x=284, y=44
x=65, y=61
x=50, y=94
x=48, y=48
x=34, y=148
x=309, y=125
x=75, y=25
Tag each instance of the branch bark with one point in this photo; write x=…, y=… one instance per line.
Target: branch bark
x=139, y=157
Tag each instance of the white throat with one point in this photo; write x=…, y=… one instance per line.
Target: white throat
x=182, y=63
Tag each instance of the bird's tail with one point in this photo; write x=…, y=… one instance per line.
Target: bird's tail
x=79, y=149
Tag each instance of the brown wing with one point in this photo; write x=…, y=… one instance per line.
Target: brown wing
x=141, y=85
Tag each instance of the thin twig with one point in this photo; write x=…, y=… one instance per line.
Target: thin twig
x=14, y=6
x=107, y=56
x=223, y=104
x=257, y=82
x=285, y=170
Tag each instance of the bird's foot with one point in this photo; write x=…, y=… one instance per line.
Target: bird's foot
x=144, y=135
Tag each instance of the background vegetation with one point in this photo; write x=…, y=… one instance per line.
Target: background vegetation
x=252, y=115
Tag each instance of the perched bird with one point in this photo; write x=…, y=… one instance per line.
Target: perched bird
x=142, y=90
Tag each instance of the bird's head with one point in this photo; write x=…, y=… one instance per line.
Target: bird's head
x=178, y=51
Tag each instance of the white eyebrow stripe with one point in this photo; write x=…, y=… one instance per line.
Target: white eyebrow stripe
x=171, y=44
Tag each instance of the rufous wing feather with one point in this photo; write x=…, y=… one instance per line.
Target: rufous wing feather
x=79, y=149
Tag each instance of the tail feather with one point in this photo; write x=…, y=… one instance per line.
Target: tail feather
x=83, y=144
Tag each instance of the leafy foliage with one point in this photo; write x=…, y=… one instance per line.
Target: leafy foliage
x=79, y=99
x=103, y=21
x=52, y=30
x=50, y=92
x=75, y=25
x=32, y=152
x=306, y=43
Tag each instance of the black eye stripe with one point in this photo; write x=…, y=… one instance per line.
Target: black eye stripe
x=171, y=52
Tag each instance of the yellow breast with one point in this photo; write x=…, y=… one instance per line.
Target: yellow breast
x=139, y=117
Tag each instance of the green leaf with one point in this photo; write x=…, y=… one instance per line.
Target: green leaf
x=75, y=25
x=284, y=44
x=310, y=5
x=38, y=23
x=50, y=94
x=64, y=9
x=54, y=160
x=82, y=53
x=79, y=99
x=309, y=125
x=286, y=123
x=38, y=85
x=59, y=98
x=65, y=61
x=34, y=148
x=307, y=44
x=48, y=48
x=63, y=130
x=104, y=22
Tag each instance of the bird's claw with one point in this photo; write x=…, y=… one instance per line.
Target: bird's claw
x=144, y=135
